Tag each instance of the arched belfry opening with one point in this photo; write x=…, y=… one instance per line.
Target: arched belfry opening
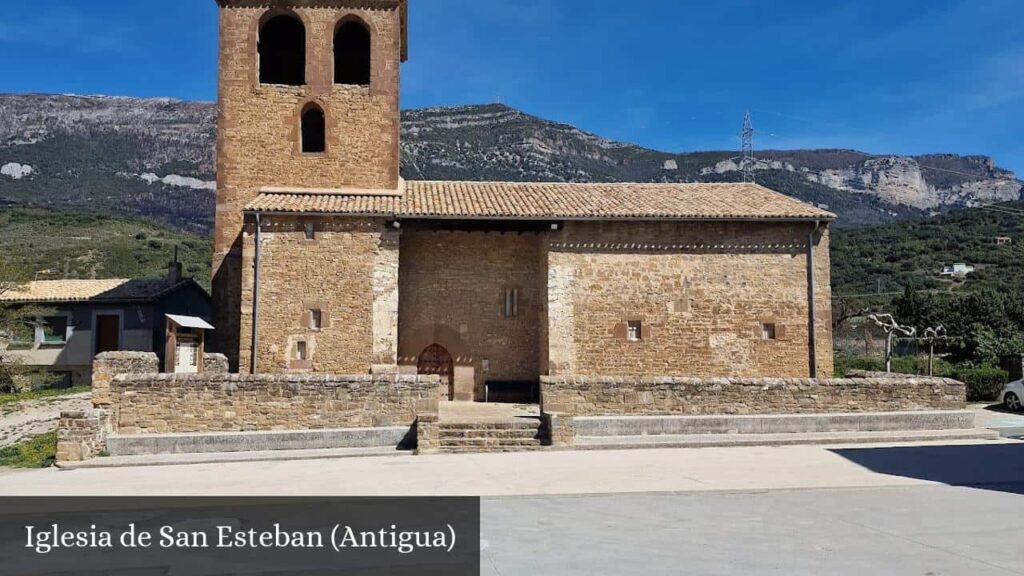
x=314, y=130
x=282, y=51
x=352, y=54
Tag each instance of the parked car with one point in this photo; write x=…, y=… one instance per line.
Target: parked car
x=1012, y=395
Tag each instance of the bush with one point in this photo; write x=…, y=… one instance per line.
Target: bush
x=983, y=382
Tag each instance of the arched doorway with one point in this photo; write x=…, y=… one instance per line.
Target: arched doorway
x=435, y=359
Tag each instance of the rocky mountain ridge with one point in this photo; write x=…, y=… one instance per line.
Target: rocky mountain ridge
x=155, y=158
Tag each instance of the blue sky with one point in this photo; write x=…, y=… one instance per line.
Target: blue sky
x=893, y=76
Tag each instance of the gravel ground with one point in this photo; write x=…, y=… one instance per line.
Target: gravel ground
x=33, y=417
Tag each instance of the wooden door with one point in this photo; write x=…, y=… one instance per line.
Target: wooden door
x=435, y=360
x=108, y=333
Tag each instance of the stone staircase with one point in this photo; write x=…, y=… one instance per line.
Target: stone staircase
x=499, y=436
x=477, y=427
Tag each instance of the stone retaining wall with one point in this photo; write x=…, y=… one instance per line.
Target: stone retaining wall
x=606, y=396
x=171, y=403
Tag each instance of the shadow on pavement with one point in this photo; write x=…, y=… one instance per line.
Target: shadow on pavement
x=997, y=467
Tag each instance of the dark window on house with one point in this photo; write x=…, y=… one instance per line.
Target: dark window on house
x=282, y=51
x=314, y=130
x=55, y=330
x=511, y=302
x=301, y=351
x=768, y=331
x=316, y=319
x=634, y=330
x=352, y=54
x=309, y=230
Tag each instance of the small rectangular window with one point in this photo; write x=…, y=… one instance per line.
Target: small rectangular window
x=768, y=331
x=316, y=319
x=301, y=351
x=310, y=231
x=511, y=303
x=634, y=331
x=55, y=330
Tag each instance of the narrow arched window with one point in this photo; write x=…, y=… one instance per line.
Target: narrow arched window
x=314, y=130
x=352, y=54
x=282, y=50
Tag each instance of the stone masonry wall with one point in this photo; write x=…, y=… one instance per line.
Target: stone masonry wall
x=452, y=292
x=82, y=435
x=108, y=364
x=603, y=396
x=701, y=290
x=169, y=403
x=258, y=142
x=335, y=273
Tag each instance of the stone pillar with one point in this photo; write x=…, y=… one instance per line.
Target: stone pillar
x=385, y=303
x=428, y=426
x=215, y=364
x=109, y=364
x=561, y=429
x=561, y=315
x=82, y=435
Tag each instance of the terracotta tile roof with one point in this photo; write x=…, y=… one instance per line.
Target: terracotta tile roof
x=115, y=290
x=566, y=201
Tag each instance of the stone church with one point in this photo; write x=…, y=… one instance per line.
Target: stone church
x=327, y=261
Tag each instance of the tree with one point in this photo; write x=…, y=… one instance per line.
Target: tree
x=17, y=320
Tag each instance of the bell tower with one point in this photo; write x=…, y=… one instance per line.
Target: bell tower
x=308, y=100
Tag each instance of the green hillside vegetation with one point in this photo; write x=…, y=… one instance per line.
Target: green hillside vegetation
x=58, y=244
x=912, y=253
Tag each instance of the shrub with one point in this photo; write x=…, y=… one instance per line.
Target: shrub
x=983, y=382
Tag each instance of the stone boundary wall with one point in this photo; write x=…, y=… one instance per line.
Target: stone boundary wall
x=176, y=403
x=609, y=396
x=109, y=364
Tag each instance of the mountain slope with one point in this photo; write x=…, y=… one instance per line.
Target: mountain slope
x=912, y=253
x=155, y=159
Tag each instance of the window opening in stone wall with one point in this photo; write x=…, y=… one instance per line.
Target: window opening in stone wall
x=511, y=303
x=316, y=319
x=768, y=331
x=282, y=51
x=314, y=130
x=352, y=54
x=634, y=330
x=309, y=230
x=301, y=351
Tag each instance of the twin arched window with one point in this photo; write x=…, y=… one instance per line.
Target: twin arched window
x=282, y=52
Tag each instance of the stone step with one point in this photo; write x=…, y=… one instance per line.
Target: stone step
x=490, y=441
x=231, y=457
x=523, y=425
x=778, y=439
x=491, y=450
x=533, y=433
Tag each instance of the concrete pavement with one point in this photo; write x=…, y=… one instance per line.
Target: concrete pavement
x=910, y=530
x=552, y=473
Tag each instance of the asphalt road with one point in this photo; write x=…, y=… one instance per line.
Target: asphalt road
x=913, y=530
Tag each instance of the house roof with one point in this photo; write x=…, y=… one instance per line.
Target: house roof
x=114, y=290
x=558, y=201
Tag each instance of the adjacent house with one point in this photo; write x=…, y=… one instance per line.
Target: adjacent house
x=957, y=270
x=93, y=316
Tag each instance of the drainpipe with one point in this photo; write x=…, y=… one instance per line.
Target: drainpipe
x=256, y=297
x=812, y=339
